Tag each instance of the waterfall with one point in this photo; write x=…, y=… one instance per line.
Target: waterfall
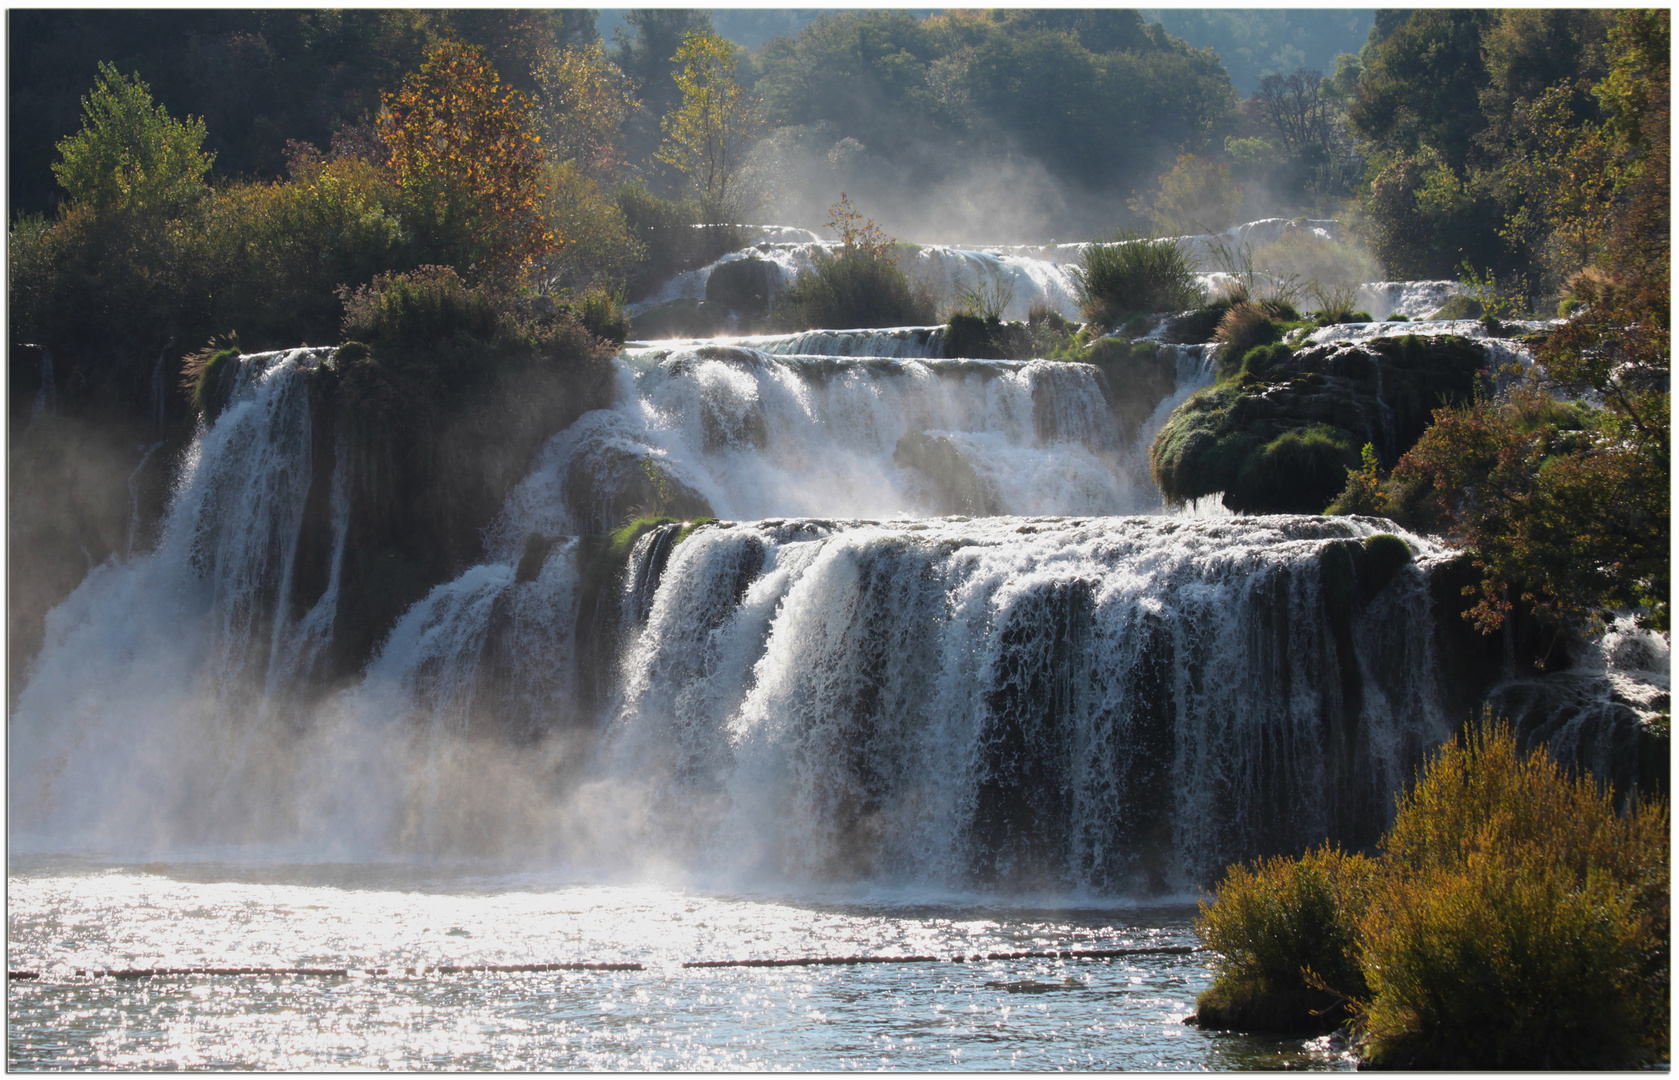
x=144, y=713
x=941, y=636
x=1115, y=705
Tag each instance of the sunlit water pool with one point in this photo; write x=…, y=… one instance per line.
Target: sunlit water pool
x=1031, y=1013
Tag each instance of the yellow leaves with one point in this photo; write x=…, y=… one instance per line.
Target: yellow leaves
x=707, y=137
x=464, y=154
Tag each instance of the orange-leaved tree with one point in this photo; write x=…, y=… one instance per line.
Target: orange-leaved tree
x=467, y=161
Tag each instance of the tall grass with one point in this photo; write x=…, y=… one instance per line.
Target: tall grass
x=1134, y=273
x=854, y=289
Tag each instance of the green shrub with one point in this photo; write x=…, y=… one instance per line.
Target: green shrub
x=418, y=310
x=1364, y=493
x=1525, y=923
x=1396, y=317
x=1134, y=273
x=602, y=314
x=1513, y=920
x=1332, y=264
x=672, y=237
x=975, y=338
x=851, y=289
x=1283, y=937
x=1567, y=306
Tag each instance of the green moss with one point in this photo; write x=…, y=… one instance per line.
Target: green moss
x=1260, y=359
x=1396, y=317
x=1280, y=435
x=1384, y=556
x=214, y=384
x=691, y=527
x=1298, y=472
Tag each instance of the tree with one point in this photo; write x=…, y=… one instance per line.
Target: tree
x=1196, y=196
x=708, y=135
x=1297, y=108
x=582, y=99
x=467, y=161
x=130, y=153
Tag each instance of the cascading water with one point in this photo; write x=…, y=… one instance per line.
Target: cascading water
x=1106, y=705
x=145, y=718
x=757, y=435
x=1003, y=701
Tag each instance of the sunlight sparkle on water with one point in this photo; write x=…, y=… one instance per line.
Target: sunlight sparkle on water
x=1033, y=1013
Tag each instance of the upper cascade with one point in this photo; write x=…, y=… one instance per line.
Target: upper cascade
x=742, y=433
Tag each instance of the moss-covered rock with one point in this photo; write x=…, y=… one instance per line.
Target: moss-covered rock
x=958, y=489
x=743, y=285
x=1384, y=556
x=1280, y=437
x=1135, y=377
x=1459, y=307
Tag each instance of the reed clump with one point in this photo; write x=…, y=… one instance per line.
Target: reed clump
x=1513, y=920
x=1132, y=273
x=855, y=289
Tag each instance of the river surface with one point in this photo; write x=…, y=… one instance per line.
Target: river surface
x=1030, y=1013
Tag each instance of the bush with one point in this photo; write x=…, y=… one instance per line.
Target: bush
x=1133, y=273
x=671, y=236
x=975, y=338
x=420, y=310
x=851, y=289
x=593, y=243
x=1525, y=924
x=1459, y=307
x=1330, y=264
x=1283, y=934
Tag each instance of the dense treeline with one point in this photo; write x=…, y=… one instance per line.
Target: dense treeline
x=1098, y=97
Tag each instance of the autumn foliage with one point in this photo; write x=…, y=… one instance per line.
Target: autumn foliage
x=467, y=161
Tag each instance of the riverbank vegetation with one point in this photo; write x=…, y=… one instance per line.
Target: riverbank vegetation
x=1511, y=920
